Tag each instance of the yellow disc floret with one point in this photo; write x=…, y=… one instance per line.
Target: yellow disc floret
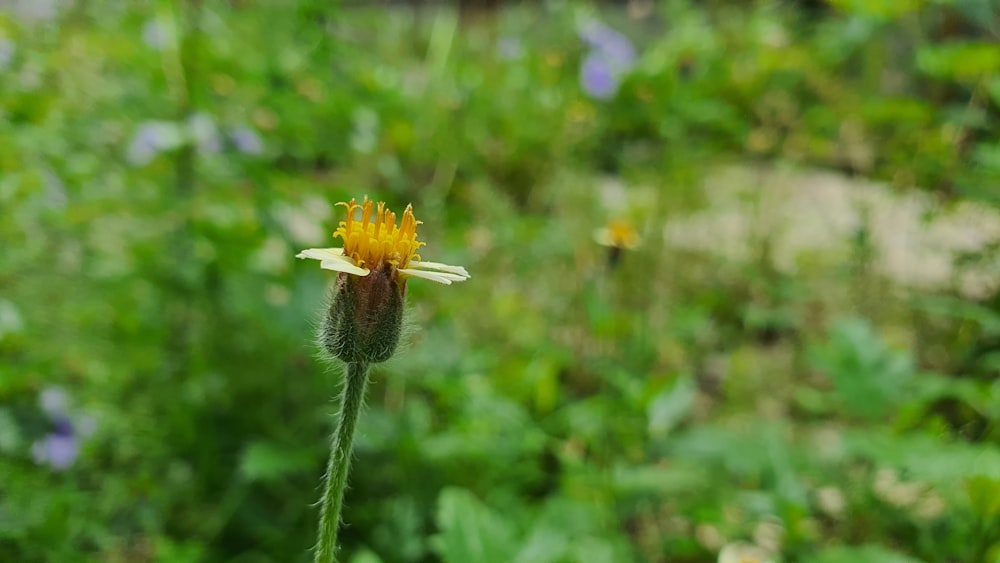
x=377, y=240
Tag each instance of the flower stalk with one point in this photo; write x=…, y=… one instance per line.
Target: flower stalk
x=351, y=402
x=363, y=323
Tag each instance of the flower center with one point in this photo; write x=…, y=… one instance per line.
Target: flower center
x=622, y=234
x=376, y=240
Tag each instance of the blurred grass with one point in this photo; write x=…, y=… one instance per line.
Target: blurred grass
x=555, y=407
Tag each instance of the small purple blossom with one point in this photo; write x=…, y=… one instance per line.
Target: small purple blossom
x=152, y=138
x=246, y=140
x=615, y=47
x=155, y=137
x=56, y=450
x=145, y=146
x=597, y=77
x=60, y=447
x=62, y=425
x=611, y=56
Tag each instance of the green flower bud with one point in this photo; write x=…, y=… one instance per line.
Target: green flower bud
x=365, y=318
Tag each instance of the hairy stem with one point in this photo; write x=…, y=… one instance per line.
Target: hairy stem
x=340, y=461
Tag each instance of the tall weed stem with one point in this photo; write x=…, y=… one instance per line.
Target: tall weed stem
x=351, y=402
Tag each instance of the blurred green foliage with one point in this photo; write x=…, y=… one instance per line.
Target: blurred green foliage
x=161, y=163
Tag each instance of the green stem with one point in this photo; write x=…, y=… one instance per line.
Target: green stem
x=340, y=461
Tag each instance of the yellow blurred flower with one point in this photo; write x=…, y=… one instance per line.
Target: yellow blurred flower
x=618, y=234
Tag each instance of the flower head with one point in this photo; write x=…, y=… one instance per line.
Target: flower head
x=377, y=241
x=246, y=140
x=152, y=138
x=618, y=234
x=60, y=447
x=58, y=451
x=611, y=56
x=610, y=43
x=598, y=77
x=364, y=320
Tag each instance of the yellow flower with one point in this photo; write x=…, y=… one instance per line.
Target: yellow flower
x=618, y=234
x=376, y=241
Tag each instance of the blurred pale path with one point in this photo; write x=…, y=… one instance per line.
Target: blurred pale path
x=813, y=217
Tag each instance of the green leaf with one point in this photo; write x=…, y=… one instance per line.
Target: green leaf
x=169, y=551
x=544, y=544
x=869, y=377
x=593, y=550
x=671, y=406
x=659, y=479
x=878, y=9
x=859, y=554
x=927, y=458
x=952, y=308
x=264, y=461
x=564, y=526
x=470, y=530
x=365, y=556
x=984, y=495
x=10, y=434
x=960, y=60
x=10, y=319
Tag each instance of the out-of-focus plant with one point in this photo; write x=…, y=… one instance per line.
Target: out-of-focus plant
x=610, y=56
x=869, y=378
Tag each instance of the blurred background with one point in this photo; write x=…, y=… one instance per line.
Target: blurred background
x=734, y=288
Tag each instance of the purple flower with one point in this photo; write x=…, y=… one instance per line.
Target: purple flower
x=611, y=56
x=616, y=48
x=56, y=450
x=597, y=77
x=62, y=426
x=152, y=138
x=60, y=447
x=246, y=140
x=144, y=146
